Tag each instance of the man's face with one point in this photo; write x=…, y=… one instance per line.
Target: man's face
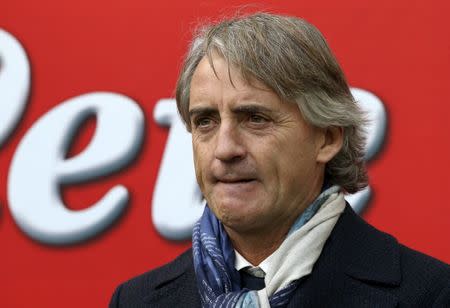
x=256, y=159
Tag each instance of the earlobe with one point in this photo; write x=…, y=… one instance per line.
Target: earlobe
x=332, y=141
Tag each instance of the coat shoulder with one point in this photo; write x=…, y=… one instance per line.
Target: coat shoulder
x=425, y=280
x=152, y=288
x=360, y=264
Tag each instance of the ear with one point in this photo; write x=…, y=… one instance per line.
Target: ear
x=331, y=143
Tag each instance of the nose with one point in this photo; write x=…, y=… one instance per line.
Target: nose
x=229, y=145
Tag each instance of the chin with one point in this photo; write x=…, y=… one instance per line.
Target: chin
x=237, y=215
x=241, y=225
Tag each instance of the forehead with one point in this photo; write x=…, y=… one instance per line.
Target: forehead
x=215, y=81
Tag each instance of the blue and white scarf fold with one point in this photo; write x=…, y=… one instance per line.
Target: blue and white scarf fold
x=218, y=281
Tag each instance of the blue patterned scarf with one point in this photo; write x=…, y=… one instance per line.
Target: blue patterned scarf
x=218, y=281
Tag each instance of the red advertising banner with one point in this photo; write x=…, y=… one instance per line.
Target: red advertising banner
x=96, y=175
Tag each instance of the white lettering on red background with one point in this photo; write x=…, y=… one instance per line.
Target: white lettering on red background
x=39, y=165
x=14, y=83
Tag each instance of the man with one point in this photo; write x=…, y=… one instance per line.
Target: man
x=277, y=140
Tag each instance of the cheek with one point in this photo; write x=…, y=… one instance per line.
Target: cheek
x=293, y=166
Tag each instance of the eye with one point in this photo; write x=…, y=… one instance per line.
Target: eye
x=203, y=123
x=257, y=119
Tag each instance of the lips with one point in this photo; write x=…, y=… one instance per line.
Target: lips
x=241, y=175
x=234, y=178
x=235, y=181
x=235, y=188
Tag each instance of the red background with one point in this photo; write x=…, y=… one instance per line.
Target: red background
x=399, y=50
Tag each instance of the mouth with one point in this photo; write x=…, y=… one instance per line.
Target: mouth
x=235, y=181
x=235, y=186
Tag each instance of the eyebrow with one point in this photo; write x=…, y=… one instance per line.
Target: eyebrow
x=247, y=109
x=201, y=110
x=251, y=109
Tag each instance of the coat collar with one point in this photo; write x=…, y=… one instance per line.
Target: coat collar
x=174, y=284
x=370, y=255
x=356, y=268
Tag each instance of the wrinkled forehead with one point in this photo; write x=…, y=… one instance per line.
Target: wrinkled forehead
x=236, y=73
x=213, y=71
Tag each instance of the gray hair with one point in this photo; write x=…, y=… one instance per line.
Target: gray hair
x=292, y=58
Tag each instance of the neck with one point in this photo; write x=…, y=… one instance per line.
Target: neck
x=256, y=247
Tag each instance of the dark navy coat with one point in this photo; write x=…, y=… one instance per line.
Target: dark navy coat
x=359, y=267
